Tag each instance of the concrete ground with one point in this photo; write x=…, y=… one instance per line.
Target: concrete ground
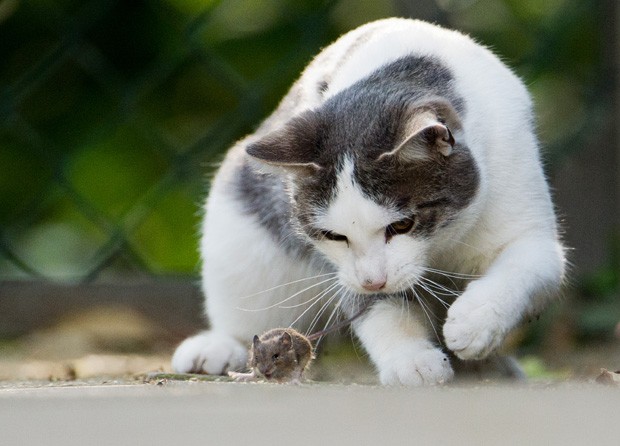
x=74, y=383
x=221, y=413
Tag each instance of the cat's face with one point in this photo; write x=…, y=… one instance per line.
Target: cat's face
x=376, y=246
x=382, y=218
x=373, y=194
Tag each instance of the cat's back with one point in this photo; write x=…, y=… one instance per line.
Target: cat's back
x=490, y=91
x=366, y=49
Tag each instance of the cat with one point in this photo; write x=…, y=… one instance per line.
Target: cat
x=404, y=159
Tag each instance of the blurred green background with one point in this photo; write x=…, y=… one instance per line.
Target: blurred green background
x=113, y=115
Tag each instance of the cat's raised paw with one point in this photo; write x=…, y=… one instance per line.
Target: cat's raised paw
x=411, y=364
x=209, y=352
x=473, y=329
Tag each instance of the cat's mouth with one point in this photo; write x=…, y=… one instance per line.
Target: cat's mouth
x=386, y=289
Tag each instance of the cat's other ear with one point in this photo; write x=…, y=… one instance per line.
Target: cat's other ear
x=426, y=131
x=294, y=147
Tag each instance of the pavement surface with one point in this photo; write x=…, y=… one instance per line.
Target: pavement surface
x=166, y=412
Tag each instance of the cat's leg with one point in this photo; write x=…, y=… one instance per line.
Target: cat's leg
x=251, y=285
x=397, y=343
x=209, y=352
x=518, y=283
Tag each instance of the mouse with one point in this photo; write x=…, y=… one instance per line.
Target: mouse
x=283, y=354
x=280, y=355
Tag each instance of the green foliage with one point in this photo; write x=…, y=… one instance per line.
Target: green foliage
x=113, y=113
x=599, y=299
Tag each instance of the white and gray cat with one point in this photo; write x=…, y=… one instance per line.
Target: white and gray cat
x=403, y=159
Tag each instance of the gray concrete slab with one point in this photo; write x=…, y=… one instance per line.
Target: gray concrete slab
x=208, y=413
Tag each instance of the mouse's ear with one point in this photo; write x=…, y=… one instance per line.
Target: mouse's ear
x=255, y=341
x=286, y=339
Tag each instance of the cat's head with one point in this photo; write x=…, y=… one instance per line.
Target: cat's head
x=374, y=185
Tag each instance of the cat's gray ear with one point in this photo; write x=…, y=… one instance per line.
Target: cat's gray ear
x=426, y=130
x=293, y=147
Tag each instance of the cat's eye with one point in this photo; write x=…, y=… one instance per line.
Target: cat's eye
x=329, y=235
x=400, y=227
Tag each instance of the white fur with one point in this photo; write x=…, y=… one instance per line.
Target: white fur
x=366, y=257
x=508, y=234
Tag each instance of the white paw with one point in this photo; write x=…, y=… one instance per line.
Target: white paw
x=473, y=328
x=209, y=352
x=415, y=364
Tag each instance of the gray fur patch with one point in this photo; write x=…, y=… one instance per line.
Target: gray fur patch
x=361, y=123
x=264, y=197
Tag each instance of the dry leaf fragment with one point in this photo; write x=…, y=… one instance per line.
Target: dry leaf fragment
x=609, y=378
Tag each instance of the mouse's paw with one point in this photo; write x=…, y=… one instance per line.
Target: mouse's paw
x=474, y=327
x=209, y=352
x=415, y=363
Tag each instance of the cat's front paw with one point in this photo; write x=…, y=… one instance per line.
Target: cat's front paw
x=209, y=352
x=473, y=328
x=415, y=364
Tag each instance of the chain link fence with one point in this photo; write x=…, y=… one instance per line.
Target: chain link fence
x=114, y=114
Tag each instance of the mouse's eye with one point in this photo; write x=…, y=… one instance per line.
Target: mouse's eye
x=275, y=356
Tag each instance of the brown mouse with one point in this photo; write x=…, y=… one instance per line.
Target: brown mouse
x=280, y=355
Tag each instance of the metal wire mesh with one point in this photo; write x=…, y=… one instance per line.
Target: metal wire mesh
x=111, y=115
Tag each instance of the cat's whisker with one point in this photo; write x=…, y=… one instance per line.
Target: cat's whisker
x=317, y=317
x=289, y=283
x=310, y=307
x=312, y=299
x=329, y=319
x=403, y=308
x=427, y=311
x=445, y=304
x=439, y=288
x=293, y=282
x=278, y=304
x=315, y=303
x=320, y=313
x=451, y=274
x=450, y=277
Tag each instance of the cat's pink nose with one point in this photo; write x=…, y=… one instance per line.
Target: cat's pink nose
x=373, y=285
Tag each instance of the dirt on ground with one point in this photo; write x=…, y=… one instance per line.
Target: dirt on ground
x=110, y=344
